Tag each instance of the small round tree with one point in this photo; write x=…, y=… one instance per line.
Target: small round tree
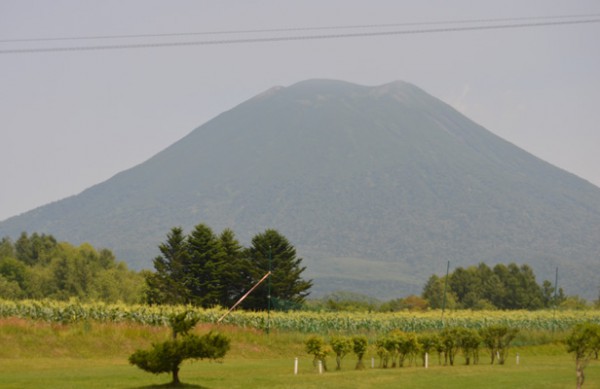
x=166, y=357
x=449, y=341
x=359, y=346
x=341, y=346
x=497, y=339
x=469, y=341
x=316, y=346
x=584, y=343
x=429, y=342
x=407, y=345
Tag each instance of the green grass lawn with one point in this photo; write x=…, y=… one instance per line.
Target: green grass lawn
x=541, y=372
x=41, y=355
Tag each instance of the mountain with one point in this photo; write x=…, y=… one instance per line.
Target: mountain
x=377, y=187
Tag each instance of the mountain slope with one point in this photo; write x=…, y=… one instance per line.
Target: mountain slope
x=377, y=187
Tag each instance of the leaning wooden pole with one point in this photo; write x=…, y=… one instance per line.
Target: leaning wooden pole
x=445, y=288
x=244, y=297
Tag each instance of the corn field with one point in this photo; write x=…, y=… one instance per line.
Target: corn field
x=306, y=322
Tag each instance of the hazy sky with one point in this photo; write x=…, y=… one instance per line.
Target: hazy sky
x=69, y=120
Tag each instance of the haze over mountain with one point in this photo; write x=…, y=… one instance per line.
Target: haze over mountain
x=377, y=187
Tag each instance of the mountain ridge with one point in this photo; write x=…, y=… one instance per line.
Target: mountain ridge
x=378, y=184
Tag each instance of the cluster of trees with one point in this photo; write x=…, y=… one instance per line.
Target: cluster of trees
x=40, y=267
x=205, y=269
x=481, y=287
x=398, y=347
x=506, y=287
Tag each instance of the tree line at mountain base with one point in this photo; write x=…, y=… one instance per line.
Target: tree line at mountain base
x=206, y=270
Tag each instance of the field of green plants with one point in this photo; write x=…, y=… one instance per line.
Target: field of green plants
x=304, y=322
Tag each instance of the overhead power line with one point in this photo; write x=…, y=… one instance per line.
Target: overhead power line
x=292, y=29
x=297, y=37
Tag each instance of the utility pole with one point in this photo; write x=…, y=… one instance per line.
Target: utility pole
x=555, y=300
x=269, y=295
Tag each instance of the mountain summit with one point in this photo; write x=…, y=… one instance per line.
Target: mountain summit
x=377, y=187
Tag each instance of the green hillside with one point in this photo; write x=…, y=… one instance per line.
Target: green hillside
x=377, y=187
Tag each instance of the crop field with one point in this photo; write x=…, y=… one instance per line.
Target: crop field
x=304, y=322
x=72, y=345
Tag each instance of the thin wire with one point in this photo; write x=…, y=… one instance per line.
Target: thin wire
x=293, y=37
x=357, y=26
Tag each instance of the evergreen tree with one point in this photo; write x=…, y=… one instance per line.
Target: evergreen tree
x=203, y=277
x=6, y=248
x=166, y=357
x=272, y=251
x=492, y=289
x=167, y=284
x=522, y=291
x=234, y=272
x=31, y=249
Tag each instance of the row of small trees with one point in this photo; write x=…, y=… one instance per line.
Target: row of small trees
x=341, y=346
x=398, y=347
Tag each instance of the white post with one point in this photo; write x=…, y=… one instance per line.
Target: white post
x=372, y=362
x=517, y=358
x=426, y=360
x=296, y=366
x=320, y=367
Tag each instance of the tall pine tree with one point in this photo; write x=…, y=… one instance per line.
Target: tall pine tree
x=167, y=284
x=235, y=278
x=203, y=278
x=271, y=250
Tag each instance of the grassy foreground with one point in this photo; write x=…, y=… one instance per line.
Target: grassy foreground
x=94, y=355
x=535, y=372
